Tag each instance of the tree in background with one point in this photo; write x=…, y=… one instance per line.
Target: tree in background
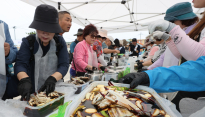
x=31, y=33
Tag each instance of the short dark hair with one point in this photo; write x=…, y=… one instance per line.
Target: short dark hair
x=89, y=29
x=190, y=21
x=62, y=13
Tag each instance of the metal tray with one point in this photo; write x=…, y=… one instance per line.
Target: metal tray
x=71, y=108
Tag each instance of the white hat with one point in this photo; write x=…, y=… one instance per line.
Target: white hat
x=111, y=39
x=121, y=42
x=102, y=33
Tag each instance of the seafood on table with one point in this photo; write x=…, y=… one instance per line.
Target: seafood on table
x=78, y=80
x=113, y=101
x=41, y=98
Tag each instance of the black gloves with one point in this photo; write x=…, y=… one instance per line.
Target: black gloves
x=109, y=63
x=135, y=79
x=49, y=85
x=139, y=65
x=141, y=70
x=91, y=71
x=102, y=68
x=137, y=61
x=25, y=88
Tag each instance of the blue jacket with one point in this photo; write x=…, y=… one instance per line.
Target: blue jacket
x=72, y=46
x=23, y=63
x=13, y=50
x=189, y=76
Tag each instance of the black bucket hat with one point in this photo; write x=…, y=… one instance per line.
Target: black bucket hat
x=46, y=19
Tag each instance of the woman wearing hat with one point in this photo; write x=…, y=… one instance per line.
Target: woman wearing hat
x=180, y=14
x=182, y=46
x=186, y=23
x=40, y=63
x=84, y=58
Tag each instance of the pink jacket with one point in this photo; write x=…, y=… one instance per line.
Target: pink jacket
x=80, y=56
x=182, y=45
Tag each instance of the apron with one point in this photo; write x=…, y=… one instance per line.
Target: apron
x=169, y=59
x=2, y=62
x=102, y=61
x=92, y=57
x=45, y=66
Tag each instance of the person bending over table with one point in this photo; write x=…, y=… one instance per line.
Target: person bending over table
x=43, y=58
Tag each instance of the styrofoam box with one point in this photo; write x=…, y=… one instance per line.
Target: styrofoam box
x=75, y=103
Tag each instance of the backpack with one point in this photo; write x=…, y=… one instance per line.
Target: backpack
x=31, y=40
x=70, y=54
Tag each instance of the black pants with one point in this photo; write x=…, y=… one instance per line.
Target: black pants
x=182, y=94
x=11, y=88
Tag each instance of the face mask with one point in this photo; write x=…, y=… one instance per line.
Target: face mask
x=148, y=47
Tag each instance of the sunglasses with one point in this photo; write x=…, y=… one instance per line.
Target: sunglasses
x=93, y=36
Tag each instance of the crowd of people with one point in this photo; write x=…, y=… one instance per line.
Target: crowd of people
x=172, y=61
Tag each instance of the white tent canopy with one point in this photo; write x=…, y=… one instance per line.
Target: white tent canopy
x=114, y=15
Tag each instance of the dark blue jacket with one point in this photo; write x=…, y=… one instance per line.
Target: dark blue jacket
x=122, y=51
x=23, y=63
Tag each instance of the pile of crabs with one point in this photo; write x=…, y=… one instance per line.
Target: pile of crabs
x=112, y=101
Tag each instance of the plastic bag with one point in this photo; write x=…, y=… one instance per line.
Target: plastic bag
x=67, y=89
x=12, y=108
x=127, y=71
x=172, y=107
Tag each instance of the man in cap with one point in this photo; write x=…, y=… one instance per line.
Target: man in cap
x=134, y=48
x=79, y=38
x=73, y=44
x=65, y=21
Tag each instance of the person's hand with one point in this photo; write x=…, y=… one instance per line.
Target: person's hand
x=139, y=65
x=91, y=70
x=160, y=35
x=160, y=25
x=6, y=48
x=25, y=88
x=140, y=78
x=103, y=68
x=117, y=51
x=49, y=85
x=137, y=61
x=135, y=79
x=109, y=63
x=127, y=79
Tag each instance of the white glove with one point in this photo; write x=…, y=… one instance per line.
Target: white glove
x=160, y=25
x=149, y=36
x=160, y=35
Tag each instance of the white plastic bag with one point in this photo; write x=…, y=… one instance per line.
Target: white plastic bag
x=67, y=89
x=12, y=108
